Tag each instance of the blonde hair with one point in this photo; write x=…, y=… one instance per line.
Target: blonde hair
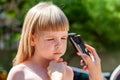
x=44, y=16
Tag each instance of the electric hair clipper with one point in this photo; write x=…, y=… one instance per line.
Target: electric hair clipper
x=79, y=45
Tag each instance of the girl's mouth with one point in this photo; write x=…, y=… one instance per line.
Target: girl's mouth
x=58, y=53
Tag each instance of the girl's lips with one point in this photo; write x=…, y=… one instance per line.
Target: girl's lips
x=57, y=53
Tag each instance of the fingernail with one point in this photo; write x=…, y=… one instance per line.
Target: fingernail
x=78, y=54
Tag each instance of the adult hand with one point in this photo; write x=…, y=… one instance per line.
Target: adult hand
x=93, y=67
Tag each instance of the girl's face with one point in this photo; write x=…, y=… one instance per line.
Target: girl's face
x=50, y=45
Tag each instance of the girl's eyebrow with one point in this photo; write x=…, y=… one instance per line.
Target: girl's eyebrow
x=53, y=36
x=49, y=36
x=65, y=36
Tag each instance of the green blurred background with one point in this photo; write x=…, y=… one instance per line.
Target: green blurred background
x=97, y=21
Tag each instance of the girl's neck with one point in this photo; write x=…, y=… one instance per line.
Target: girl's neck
x=40, y=62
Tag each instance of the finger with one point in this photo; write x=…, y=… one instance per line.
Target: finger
x=78, y=53
x=91, y=49
x=65, y=63
x=82, y=62
x=60, y=60
x=93, y=52
x=85, y=68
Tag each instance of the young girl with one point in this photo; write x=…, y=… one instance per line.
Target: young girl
x=43, y=41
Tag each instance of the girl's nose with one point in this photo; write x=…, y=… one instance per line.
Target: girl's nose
x=58, y=43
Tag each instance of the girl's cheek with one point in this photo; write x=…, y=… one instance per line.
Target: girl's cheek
x=50, y=45
x=65, y=43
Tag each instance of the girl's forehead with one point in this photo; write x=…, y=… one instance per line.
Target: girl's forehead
x=54, y=33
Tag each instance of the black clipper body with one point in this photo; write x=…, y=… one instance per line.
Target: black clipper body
x=78, y=43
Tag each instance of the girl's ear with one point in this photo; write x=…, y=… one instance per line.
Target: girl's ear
x=32, y=40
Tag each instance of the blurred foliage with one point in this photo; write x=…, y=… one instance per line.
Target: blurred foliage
x=97, y=21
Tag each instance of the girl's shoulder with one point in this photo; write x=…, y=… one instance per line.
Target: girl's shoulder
x=16, y=72
x=22, y=72
x=18, y=68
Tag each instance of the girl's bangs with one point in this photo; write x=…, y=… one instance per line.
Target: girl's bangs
x=53, y=25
